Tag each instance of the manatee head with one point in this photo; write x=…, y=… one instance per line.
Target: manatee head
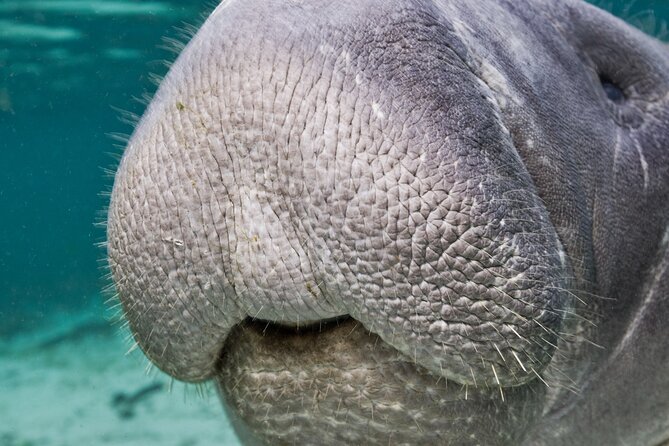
x=406, y=221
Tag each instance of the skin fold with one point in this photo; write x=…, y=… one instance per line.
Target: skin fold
x=407, y=222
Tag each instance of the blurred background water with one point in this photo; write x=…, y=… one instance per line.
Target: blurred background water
x=70, y=70
x=66, y=69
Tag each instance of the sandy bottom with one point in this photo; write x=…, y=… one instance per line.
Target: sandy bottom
x=71, y=383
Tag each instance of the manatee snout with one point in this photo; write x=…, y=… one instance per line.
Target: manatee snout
x=318, y=186
x=379, y=219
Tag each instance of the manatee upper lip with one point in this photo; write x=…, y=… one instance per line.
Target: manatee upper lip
x=437, y=244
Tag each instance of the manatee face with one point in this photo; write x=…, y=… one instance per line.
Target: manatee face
x=402, y=222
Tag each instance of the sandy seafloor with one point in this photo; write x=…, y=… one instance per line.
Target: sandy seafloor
x=72, y=383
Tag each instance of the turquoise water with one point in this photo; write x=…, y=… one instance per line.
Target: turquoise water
x=70, y=73
x=66, y=68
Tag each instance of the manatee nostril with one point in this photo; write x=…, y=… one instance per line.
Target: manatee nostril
x=613, y=91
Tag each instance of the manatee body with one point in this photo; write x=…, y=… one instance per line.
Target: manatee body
x=405, y=221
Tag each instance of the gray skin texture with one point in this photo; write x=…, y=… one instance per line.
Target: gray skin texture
x=407, y=222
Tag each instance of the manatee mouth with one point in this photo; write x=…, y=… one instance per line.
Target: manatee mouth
x=342, y=381
x=304, y=326
x=333, y=382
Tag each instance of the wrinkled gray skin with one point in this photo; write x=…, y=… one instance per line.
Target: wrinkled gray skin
x=407, y=222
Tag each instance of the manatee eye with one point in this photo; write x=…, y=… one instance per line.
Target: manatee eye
x=613, y=91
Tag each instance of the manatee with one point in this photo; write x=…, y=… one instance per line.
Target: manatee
x=407, y=222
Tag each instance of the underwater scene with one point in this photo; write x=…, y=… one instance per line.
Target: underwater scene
x=75, y=75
